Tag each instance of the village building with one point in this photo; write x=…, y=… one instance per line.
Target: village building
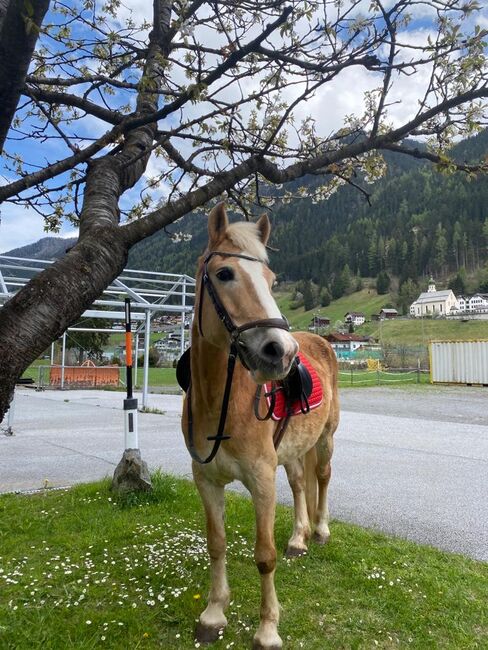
x=477, y=302
x=344, y=345
x=434, y=303
x=387, y=314
x=318, y=322
x=354, y=317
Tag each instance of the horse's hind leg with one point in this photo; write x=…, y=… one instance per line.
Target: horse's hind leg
x=323, y=448
x=213, y=619
x=297, y=545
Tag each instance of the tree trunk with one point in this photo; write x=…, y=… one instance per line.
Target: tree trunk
x=19, y=29
x=54, y=300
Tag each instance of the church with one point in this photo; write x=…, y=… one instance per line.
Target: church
x=434, y=303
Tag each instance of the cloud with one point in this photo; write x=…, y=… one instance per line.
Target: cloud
x=20, y=227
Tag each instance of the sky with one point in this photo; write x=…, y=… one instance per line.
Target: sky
x=344, y=96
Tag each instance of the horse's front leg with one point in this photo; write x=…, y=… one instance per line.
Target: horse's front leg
x=263, y=492
x=213, y=620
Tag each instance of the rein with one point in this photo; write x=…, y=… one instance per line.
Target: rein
x=234, y=331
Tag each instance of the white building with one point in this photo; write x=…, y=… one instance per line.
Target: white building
x=478, y=302
x=434, y=303
x=355, y=317
x=463, y=302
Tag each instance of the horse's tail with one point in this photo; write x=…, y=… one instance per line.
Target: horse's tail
x=311, y=484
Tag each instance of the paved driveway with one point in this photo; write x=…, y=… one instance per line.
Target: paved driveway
x=413, y=463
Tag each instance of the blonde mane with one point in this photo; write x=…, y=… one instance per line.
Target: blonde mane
x=245, y=235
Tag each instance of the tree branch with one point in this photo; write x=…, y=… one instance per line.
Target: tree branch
x=66, y=99
x=422, y=154
x=217, y=73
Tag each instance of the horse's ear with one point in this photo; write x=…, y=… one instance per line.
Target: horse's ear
x=217, y=223
x=264, y=228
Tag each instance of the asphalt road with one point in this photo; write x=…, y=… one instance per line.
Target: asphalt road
x=413, y=463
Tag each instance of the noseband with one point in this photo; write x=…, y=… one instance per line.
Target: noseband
x=235, y=350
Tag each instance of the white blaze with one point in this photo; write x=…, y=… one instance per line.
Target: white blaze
x=254, y=270
x=268, y=304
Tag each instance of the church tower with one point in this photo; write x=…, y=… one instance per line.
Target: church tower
x=431, y=288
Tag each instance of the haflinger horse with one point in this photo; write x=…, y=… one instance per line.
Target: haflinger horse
x=240, y=340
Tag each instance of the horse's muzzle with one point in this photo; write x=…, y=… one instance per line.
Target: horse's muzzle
x=268, y=354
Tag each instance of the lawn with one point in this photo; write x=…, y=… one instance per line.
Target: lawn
x=417, y=331
x=355, y=377
x=166, y=377
x=83, y=569
x=157, y=376
x=366, y=301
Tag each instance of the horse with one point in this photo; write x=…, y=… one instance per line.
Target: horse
x=240, y=341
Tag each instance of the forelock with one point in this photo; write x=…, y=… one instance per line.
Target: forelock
x=245, y=235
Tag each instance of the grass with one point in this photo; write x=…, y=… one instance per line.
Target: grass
x=416, y=331
x=157, y=376
x=360, y=378
x=83, y=569
x=166, y=378
x=366, y=301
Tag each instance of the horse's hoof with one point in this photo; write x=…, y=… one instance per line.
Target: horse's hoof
x=256, y=645
x=206, y=634
x=320, y=539
x=293, y=551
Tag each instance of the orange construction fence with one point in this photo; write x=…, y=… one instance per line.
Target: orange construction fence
x=88, y=374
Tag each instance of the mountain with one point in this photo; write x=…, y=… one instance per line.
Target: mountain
x=420, y=222
x=47, y=248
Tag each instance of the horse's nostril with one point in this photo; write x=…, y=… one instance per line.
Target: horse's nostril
x=273, y=350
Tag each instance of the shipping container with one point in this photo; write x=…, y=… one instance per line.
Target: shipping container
x=459, y=362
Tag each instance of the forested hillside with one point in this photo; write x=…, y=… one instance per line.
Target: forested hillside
x=420, y=222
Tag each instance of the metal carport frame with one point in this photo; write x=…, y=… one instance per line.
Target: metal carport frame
x=150, y=292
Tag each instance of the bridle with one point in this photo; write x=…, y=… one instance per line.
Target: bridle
x=235, y=332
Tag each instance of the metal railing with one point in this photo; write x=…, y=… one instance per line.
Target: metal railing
x=380, y=377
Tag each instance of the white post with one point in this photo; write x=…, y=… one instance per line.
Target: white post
x=147, y=340
x=52, y=353
x=63, y=354
x=130, y=423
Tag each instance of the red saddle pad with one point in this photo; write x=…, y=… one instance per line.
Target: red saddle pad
x=314, y=400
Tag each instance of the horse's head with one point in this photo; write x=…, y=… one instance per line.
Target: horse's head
x=238, y=294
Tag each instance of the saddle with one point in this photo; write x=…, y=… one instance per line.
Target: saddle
x=300, y=392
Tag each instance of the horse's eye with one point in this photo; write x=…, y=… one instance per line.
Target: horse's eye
x=225, y=274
